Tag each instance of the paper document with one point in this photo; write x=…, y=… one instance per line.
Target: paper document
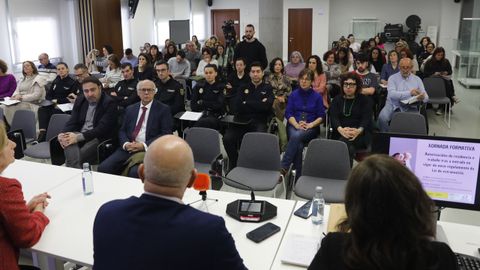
x=191, y=116
x=300, y=249
x=65, y=107
x=8, y=101
x=410, y=100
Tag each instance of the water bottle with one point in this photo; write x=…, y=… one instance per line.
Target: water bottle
x=87, y=179
x=318, y=204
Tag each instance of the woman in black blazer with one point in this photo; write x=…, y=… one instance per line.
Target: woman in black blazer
x=389, y=224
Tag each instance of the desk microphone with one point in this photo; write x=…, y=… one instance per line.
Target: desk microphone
x=247, y=210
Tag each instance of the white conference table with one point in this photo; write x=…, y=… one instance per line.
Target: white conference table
x=461, y=238
x=69, y=235
x=37, y=177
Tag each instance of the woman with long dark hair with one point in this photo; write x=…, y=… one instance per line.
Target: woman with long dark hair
x=439, y=66
x=389, y=223
x=319, y=83
x=144, y=70
x=154, y=55
x=376, y=59
x=391, y=67
x=343, y=59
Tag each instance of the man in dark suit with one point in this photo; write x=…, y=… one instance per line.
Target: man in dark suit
x=157, y=230
x=93, y=120
x=143, y=123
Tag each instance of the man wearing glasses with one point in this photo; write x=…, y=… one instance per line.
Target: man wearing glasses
x=144, y=121
x=170, y=92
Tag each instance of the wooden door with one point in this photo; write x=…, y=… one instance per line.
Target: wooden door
x=219, y=16
x=107, y=24
x=300, y=31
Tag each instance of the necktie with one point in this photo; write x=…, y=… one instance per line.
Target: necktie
x=139, y=124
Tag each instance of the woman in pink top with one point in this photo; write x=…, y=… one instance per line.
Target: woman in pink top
x=319, y=84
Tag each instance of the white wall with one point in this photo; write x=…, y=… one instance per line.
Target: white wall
x=449, y=26
x=320, y=21
x=270, y=24
x=4, y=40
x=249, y=14
x=142, y=26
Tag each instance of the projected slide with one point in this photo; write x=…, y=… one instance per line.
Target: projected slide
x=448, y=170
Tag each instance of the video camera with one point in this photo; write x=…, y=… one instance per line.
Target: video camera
x=229, y=33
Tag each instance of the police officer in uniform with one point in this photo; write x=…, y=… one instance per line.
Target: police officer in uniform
x=125, y=91
x=253, y=103
x=208, y=98
x=169, y=92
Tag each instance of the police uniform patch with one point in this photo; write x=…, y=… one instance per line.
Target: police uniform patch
x=200, y=91
x=170, y=90
x=246, y=91
x=182, y=91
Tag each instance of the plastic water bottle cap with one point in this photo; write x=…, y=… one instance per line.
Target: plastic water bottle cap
x=318, y=188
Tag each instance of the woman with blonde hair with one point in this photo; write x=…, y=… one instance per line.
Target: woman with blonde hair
x=21, y=225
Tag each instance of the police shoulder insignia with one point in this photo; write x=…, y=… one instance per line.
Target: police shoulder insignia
x=246, y=91
x=200, y=91
x=182, y=91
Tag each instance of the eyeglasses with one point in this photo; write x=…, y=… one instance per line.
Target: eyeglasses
x=305, y=79
x=348, y=85
x=146, y=90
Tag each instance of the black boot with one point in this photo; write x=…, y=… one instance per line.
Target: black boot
x=42, y=135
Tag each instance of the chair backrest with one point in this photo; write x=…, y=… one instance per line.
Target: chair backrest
x=259, y=151
x=408, y=123
x=327, y=159
x=25, y=120
x=57, y=122
x=435, y=87
x=205, y=143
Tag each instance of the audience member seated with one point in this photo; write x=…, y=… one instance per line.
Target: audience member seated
x=223, y=57
x=305, y=113
x=390, y=68
x=369, y=80
x=281, y=87
x=193, y=55
x=234, y=84
x=171, y=52
x=113, y=74
x=254, y=106
x=125, y=93
x=21, y=224
x=102, y=62
x=179, y=67
x=45, y=62
x=63, y=90
x=154, y=55
x=296, y=64
x=144, y=70
x=196, y=42
x=208, y=98
x=164, y=49
x=355, y=46
x=251, y=49
x=332, y=71
x=389, y=223
x=206, y=59
x=144, y=121
x=343, y=59
x=169, y=91
x=426, y=55
x=129, y=58
x=30, y=91
x=161, y=219
x=422, y=49
x=402, y=86
x=376, y=60
x=405, y=52
x=439, y=66
x=8, y=83
x=319, y=83
x=351, y=115
x=94, y=119
x=81, y=73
